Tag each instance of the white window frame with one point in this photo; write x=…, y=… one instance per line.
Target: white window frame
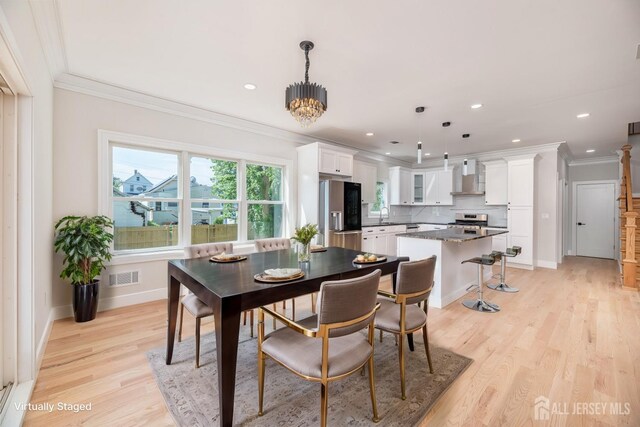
x=376, y=214
x=107, y=139
x=260, y=202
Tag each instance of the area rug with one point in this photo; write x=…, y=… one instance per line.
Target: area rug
x=191, y=394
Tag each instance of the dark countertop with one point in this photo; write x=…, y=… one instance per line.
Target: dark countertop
x=453, y=234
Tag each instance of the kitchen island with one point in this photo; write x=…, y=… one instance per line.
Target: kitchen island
x=451, y=247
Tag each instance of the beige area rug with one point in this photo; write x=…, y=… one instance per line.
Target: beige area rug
x=191, y=394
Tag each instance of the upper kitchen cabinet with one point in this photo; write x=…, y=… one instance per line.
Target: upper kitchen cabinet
x=399, y=186
x=496, y=179
x=335, y=162
x=367, y=175
x=417, y=188
x=438, y=185
x=520, y=181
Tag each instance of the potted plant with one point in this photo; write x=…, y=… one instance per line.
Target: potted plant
x=85, y=242
x=303, y=236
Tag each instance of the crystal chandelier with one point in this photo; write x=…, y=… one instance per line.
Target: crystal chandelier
x=306, y=101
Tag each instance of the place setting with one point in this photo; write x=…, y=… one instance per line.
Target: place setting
x=224, y=258
x=279, y=275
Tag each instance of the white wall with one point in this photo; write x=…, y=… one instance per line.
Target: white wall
x=31, y=58
x=77, y=118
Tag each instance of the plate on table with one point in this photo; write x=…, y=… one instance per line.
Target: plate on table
x=317, y=248
x=276, y=275
x=369, y=260
x=224, y=258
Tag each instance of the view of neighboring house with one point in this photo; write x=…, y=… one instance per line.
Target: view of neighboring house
x=136, y=184
x=137, y=213
x=131, y=214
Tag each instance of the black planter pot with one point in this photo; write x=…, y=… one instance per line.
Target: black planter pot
x=85, y=301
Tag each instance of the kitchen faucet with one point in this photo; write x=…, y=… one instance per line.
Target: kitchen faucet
x=384, y=207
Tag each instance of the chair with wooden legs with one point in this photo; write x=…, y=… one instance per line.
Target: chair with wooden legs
x=400, y=314
x=276, y=244
x=327, y=346
x=197, y=308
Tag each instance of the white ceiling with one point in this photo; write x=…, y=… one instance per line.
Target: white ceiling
x=534, y=64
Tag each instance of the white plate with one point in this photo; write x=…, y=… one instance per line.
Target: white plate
x=280, y=273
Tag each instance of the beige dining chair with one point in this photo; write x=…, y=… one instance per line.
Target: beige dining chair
x=400, y=314
x=327, y=346
x=277, y=244
x=192, y=303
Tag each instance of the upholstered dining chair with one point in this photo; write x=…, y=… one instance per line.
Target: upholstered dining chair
x=276, y=244
x=327, y=346
x=197, y=308
x=400, y=314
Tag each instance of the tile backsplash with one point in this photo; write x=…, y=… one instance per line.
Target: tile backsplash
x=462, y=204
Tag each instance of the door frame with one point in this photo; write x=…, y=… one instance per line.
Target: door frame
x=574, y=215
x=18, y=222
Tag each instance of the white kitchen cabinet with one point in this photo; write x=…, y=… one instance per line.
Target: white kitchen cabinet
x=333, y=162
x=368, y=244
x=381, y=240
x=496, y=179
x=367, y=175
x=438, y=187
x=520, y=182
x=399, y=186
x=417, y=188
x=520, y=178
x=499, y=242
x=380, y=244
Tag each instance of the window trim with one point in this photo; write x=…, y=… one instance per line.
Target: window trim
x=184, y=151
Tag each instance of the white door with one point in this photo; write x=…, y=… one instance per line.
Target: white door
x=595, y=220
x=431, y=187
x=495, y=185
x=520, y=186
x=380, y=244
x=344, y=163
x=328, y=162
x=368, y=244
x=405, y=187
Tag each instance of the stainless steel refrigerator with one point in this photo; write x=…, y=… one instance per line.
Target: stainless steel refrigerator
x=340, y=217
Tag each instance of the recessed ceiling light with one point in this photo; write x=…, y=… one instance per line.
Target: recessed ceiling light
x=583, y=115
x=369, y=133
x=250, y=86
x=515, y=140
x=427, y=154
x=476, y=106
x=591, y=150
x=387, y=153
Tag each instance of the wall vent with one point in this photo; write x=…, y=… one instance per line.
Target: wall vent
x=125, y=278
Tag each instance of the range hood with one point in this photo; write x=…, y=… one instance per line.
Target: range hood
x=469, y=180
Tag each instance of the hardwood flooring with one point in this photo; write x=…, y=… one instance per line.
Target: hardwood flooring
x=570, y=334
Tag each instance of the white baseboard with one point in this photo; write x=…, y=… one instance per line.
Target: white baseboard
x=64, y=311
x=520, y=266
x=42, y=345
x=547, y=264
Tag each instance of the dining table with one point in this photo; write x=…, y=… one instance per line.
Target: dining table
x=230, y=288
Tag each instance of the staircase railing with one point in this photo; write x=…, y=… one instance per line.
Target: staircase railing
x=629, y=263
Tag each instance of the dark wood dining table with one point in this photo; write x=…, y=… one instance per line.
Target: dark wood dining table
x=230, y=289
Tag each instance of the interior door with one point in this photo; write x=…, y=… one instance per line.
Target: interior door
x=595, y=220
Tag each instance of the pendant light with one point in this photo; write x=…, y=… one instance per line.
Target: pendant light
x=446, y=161
x=306, y=101
x=418, y=111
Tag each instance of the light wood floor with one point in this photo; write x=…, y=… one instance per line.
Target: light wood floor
x=570, y=334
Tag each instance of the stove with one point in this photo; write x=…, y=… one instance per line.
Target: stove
x=469, y=221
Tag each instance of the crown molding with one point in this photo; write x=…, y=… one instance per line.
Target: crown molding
x=497, y=154
x=49, y=27
x=594, y=161
x=91, y=87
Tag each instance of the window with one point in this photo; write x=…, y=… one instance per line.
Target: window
x=214, y=200
x=265, y=205
x=136, y=224
x=185, y=197
x=381, y=200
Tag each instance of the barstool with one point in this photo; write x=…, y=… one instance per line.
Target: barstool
x=480, y=304
x=510, y=252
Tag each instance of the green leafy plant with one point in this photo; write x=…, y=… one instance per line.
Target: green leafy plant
x=306, y=233
x=85, y=242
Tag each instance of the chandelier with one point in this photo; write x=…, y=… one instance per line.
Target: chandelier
x=306, y=101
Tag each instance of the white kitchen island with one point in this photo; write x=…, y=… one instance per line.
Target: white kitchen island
x=451, y=247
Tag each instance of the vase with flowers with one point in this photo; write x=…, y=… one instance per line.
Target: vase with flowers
x=304, y=235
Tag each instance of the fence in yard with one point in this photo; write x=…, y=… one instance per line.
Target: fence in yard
x=167, y=235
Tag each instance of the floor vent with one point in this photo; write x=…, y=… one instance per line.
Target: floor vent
x=124, y=279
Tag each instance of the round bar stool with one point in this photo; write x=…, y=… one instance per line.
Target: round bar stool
x=502, y=256
x=480, y=304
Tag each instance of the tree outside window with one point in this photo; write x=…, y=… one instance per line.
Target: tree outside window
x=381, y=198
